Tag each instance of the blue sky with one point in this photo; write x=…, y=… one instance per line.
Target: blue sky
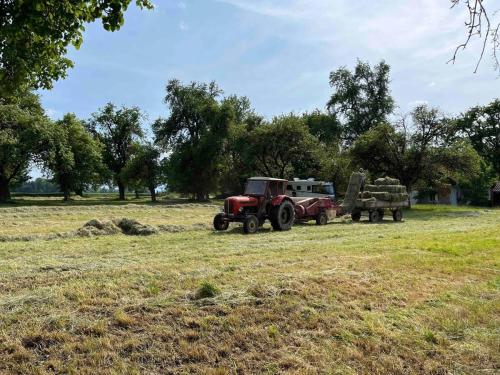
x=277, y=52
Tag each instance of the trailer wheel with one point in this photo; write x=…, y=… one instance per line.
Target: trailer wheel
x=251, y=224
x=373, y=216
x=220, y=223
x=356, y=215
x=321, y=219
x=283, y=216
x=397, y=214
x=381, y=215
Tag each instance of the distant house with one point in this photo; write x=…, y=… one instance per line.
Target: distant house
x=448, y=193
x=495, y=194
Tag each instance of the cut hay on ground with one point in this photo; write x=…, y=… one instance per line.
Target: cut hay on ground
x=132, y=227
x=97, y=227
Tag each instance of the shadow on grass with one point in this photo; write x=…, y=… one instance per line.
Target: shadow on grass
x=239, y=230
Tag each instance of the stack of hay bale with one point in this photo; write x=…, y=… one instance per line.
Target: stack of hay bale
x=385, y=189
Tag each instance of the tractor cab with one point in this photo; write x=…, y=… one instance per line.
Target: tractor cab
x=264, y=198
x=265, y=187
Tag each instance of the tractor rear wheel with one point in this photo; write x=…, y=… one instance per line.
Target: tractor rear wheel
x=220, y=223
x=321, y=219
x=251, y=224
x=283, y=216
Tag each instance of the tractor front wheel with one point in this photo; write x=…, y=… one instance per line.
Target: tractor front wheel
x=283, y=216
x=251, y=224
x=220, y=223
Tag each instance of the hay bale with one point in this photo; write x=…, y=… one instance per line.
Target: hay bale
x=386, y=188
x=366, y=203
x=387, y=181
x=134, y=228
x=381, y=196
x=365, y=195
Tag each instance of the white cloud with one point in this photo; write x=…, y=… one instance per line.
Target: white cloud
x=426, y=28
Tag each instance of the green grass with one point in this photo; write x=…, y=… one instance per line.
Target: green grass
x=421, y=296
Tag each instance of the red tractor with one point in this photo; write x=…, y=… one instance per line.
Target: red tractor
x=264, y=199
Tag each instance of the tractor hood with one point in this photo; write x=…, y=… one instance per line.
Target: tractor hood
x=243, y=200
x=232, y=205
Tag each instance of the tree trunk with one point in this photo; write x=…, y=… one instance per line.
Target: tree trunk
x=4, y=190
x=121, y=190
x=152, y=190
x=66, y=195
x=409, y=188
x=137, y=196
x=200, y=196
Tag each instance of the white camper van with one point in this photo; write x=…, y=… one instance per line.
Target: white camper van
x=310, y=188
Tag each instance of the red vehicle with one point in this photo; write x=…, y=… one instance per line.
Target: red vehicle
x=319, y=209
x=264, y=199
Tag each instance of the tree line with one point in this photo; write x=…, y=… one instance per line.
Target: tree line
x=210, y=143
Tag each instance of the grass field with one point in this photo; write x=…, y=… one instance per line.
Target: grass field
x=421, y=296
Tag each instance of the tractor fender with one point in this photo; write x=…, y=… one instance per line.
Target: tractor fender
x=276, y=201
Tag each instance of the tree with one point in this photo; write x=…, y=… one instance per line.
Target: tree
x=35, y=35
x=481, y=125
x=415, y=152
x=324, y=126
x=76, y=161
x=480, y=24
x=234, y=169
x=117, y=129
x=25, y=137
x=145, y=169
x=283, y=148
x=475, y=189
x=194, y=136
x=362, y=98
x=38, y=186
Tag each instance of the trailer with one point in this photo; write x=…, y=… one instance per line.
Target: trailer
x=377, y=208
x=354, y=205
x=319, y=209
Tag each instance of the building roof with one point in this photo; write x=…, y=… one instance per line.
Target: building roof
x=496, y=187
x=267, y=179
